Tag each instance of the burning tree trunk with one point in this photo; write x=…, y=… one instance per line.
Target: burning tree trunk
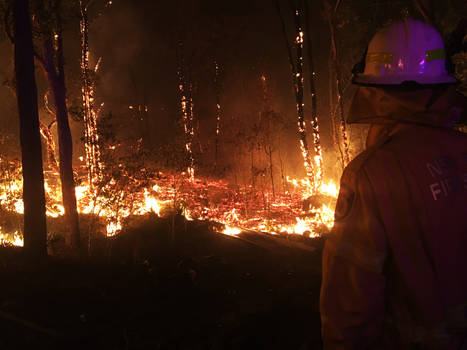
x=298, y=81
x=90, y=115
x=217, y=86
x=190, y=129
x=186, y=101
x=45, y=132
x=52, y=62
x=47, y=135
x=332, y=114
x=314, y=104
x=35, y=230
x=330, y=12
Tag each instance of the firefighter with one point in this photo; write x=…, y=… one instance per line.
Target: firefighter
x=395, y=263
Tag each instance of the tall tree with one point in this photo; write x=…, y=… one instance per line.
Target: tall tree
x=265, y=125
x=186, y=102
x=298, y=83
x=52, y=61
x=314, y=102
x=330, y=13
x=35, y=230
x=91, y=145
x=217, y=87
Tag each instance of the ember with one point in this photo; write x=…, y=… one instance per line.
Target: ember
x=236, y=208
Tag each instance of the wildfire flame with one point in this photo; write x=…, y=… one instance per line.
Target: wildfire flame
x=11, y=239
x=239, y=209
x=232, y=231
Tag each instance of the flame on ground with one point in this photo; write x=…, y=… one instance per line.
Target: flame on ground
x=231, y=231
x=11, y=239
x=236, y=208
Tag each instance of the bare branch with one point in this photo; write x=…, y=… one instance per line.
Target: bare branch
x=29, y=324
x=6, y=22
x=423, y=11
x=284, y=32
x=39, y=58
x=338, y=2
x=47, y=107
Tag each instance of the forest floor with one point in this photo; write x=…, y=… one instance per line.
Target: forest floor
x=166, y=284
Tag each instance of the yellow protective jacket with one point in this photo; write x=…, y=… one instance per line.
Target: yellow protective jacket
x=395, y=263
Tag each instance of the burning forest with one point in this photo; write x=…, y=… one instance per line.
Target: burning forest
x=188, y=147
x=198, y=182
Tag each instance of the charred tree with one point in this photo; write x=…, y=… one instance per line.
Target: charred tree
x=35, y=230
x=44, y=131
x=186, y=102
x=298, y=82
x=217, y=87
x=47, y=135
x=330, y=12
x=299, y=85
x=87, y=89
x=265, y=124
x=314, y=102
x=332, y=112
x=52, y=61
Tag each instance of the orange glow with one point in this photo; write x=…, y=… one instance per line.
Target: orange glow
x=199, y=199
x=231, y=231
x=11, y=239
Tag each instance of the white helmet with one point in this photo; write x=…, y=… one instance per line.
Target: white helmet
x=404, y=51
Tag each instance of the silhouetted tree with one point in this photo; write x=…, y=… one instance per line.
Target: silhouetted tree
x=49, y=22
x=35, y=231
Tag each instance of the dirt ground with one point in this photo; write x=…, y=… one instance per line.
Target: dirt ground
x=167, y=284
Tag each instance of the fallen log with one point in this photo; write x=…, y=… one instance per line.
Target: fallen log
x=29, y=324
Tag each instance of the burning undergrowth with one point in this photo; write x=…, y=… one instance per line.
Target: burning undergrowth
x=108, y=204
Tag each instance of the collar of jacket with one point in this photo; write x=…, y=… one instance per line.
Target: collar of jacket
x=439, y=106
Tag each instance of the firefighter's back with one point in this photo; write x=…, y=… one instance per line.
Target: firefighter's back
x=420, y=181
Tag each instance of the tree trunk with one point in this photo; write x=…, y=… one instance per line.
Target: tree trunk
x=330, y=14
x=186, y=101
x=90, y=115
x=265, y=124
x=56, y=78
x=271, y=171
x=299, y=84
x=217, y=86
x=47, y=134
x=332, y=114
x=35, y=230
x=298, y=81
x=191, y=129
x=319, y=173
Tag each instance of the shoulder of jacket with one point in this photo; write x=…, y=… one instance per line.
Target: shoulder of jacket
x=352, y=170
x=349, y=183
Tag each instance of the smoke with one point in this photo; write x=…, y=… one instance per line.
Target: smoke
x=137, y=42
x=139, y=68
